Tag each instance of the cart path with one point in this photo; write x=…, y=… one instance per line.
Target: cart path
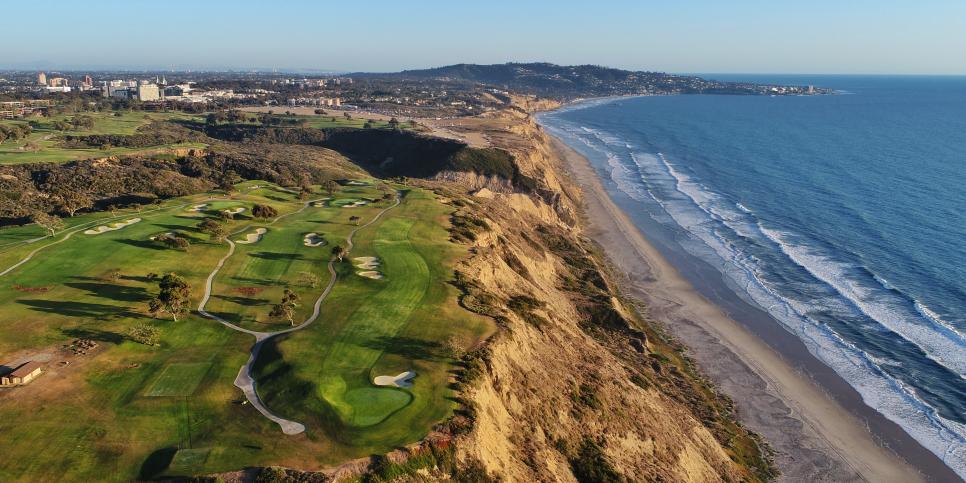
x=244, y=380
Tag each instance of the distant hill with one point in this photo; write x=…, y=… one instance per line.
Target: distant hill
x=551, y=80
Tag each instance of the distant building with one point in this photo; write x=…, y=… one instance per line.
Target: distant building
x=42, y=79
x=57, y=82
x=148, y=92
x=22, y=375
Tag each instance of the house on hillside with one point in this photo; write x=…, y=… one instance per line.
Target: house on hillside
x=22, y=375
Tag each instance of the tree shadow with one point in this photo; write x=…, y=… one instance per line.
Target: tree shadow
x=156, y=463
x=138, y=278
x=93, y=334
x=253, y=281
x=77, y=309
x=276, y=256
x=408, y=347
x=110, y=291
x=248, y=302
x=148, y=244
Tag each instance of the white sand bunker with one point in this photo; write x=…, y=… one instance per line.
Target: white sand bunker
x=321, y=203
x=198, y=207
x=370, y=274
x=313, y=240
x=401, y=380
x=234, y=211
x=111, y=227
x=252, y=237
x=356, y=204
x=357, y=183
x=159, y=235
x=367, y=263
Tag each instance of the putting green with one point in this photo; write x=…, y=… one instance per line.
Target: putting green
x=179, y=379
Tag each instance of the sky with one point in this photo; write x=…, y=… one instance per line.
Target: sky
x=681, y=36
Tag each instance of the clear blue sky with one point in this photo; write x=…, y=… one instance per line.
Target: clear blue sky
x=777, y=36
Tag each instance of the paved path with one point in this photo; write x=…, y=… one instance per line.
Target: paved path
x=244, y=380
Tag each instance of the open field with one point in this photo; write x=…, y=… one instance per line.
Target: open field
x=131, y=411
x=46, y=138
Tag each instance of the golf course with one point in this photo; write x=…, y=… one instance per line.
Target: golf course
x=279, y=296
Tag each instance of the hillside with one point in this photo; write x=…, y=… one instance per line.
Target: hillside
x=567, y=82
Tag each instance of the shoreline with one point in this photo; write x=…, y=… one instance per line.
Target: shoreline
x=818, y=425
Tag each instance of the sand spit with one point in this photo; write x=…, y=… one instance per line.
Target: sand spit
x=313, y=240
x=401, y=380
x=111, y=227
x=252, y=237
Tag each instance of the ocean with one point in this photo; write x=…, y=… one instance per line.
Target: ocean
x=842, y=216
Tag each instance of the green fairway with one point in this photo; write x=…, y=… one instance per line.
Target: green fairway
x=43, y=144
x=179, y=379
x=124, y=412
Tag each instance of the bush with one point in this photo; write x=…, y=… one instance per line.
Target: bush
x=589, y=465
x=264, y=211
x=145, y=334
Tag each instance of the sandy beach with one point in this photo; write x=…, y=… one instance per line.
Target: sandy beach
x=818, y=425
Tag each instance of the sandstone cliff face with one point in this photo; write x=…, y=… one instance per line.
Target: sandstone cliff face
x=574, y=388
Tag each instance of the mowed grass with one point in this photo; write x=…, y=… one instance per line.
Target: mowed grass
x=323, y=375
x=179, y=379
x=128, y=412
x=47, y=139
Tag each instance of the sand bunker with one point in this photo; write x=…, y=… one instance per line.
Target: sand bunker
x=401, y=380
x=370, y=274
x=111, y=227
x=357, y=183
x=234, y=211
x=367, y=263
x=313, y=240
x=159, y=235
x=320, y=203
x=198, y=207
x=252, y=237
x=356, y=204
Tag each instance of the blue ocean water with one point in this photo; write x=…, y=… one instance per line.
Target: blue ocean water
x=843, y=216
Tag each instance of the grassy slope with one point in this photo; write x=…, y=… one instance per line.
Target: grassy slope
x=96, y=419
x=46, y=137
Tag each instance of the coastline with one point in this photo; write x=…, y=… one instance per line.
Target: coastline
x=818, y=425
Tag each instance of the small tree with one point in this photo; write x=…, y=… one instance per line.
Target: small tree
x=329, y=186
x=174, y=241
x=214, y=229
x=338, y=252
x=354, y=219
x=394, y=123
x=174, y=297
x=264, y=211
x=144, y=334
x=320, y=112
x=51, y=222
x=283, y=311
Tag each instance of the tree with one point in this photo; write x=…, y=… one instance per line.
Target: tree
x=283, y=311
x=367, y=125
x=394, y=123
x=291, y=297
x=174, y=241
x=174, y=297
x=264, y=211
x=413, y=124
x=309, y=279
x=71, y=200
x=320, y=112
x=214, y=229
x=338, y=251
x=51, y=222
x=144, y=334
x=61, y=125
x=346, y=115
x=329, y=186
x=354, y=219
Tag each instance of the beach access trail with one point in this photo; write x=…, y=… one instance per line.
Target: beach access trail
x=244, y=380
x=815, y=437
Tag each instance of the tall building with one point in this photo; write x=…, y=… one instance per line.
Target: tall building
x=148, y=92
x=88, y=81
x=42, y=79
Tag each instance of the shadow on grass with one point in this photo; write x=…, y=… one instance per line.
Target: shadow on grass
x=156, y=463
x=78, y=309
x=276, y=256
x=148, y=244
x=407, y=347
x=93, y=334
x=110, y=291
x=248, y=302
x=253, y=281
